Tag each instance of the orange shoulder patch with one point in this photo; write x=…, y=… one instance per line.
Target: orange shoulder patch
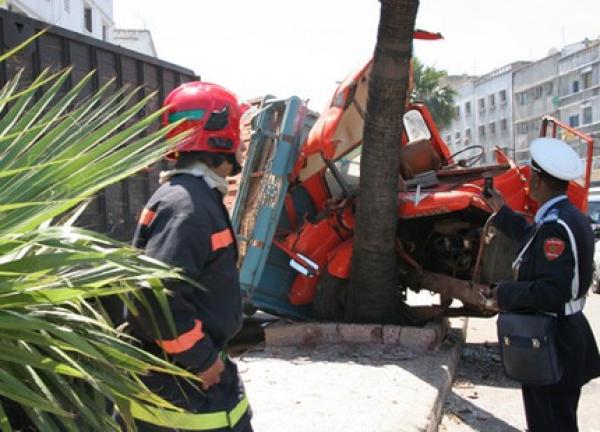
x=221, y=239
x=147, y=217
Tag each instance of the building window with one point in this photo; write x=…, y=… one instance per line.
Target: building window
x=468, y=108
x=522, y=128
x=87, y=18
x=467, y=135
x=104, y=32
x=549, y=88
x=503, y=125
x=575, y=86
x=492, y=128
x=522, y=98
x=67, y=4
x=502, y=96
x=492, y=99
x=481, y=104
x=587, y=79
x=448, y=139
x=587, y=115
x=456, y=112
x=482, y=131
x=533, y=124
x=574, y=120
x=537, y=92
x=457, y=139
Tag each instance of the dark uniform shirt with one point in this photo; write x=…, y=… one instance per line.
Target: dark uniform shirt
x=186, y=225
x=546, y=281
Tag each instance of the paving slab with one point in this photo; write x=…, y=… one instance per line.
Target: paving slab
x=350, y=387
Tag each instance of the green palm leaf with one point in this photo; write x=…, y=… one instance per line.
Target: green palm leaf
x=429, y=90
x=61, y=360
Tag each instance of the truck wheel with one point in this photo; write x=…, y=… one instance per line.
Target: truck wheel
x=330, y=298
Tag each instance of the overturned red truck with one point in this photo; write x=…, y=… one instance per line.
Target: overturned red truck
x=294, y=213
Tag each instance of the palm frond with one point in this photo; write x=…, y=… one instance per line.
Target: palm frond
x=438, y=98
x=61, y=360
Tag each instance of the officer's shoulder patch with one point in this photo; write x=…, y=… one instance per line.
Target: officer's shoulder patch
x=553, y=248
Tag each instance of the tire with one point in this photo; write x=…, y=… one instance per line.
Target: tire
x=330, y=298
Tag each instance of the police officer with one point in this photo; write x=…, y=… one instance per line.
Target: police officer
x=553, y=274
x=186, y=224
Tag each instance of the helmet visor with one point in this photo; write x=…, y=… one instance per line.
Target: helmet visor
x=196, y=114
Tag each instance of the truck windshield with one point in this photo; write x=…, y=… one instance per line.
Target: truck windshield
x=348, y=166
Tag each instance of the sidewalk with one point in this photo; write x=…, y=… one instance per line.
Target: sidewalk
x=483, y=399
x=350, y=388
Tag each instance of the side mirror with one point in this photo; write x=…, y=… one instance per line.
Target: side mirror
x=415, y=126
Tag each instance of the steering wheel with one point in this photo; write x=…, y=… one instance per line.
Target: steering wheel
x=471, y=160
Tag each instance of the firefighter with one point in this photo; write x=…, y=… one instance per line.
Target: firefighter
x=553, y=273
x=186, y=224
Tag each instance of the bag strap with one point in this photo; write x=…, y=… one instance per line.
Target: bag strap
x=575, y=304
x=517, y=262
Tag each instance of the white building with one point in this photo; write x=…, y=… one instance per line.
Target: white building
x=459, y=133
x=483, y=112
x=535, y=89
x=579, y=88
x=90, y=17
x=494, y=109
x=137, y=40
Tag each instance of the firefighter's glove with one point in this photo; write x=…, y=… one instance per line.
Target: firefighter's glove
x=212, y=375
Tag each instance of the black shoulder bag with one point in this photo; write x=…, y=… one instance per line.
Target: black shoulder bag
x=528, y=348
x=528, y=341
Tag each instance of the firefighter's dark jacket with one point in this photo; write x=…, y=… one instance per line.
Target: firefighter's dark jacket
x=185, y=224
x=543, y=283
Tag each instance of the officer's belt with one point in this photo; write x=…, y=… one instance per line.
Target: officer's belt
x=190, y=421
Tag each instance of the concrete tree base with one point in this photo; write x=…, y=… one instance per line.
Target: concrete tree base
x=425, y=338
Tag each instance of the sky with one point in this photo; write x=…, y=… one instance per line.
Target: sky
x=302, y=48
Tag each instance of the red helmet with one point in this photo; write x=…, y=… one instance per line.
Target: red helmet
x=211, y=111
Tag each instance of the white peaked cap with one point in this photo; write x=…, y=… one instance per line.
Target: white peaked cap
x=557, y=158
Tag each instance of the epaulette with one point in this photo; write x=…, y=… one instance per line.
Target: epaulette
x=551, y=216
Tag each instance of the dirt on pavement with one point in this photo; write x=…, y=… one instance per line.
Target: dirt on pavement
x=482, y=398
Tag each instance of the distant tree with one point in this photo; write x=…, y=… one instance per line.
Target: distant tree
x=428, y=89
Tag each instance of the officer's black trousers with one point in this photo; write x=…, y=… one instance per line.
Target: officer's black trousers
x=550, y=410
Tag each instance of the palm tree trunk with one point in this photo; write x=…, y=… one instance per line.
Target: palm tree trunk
x=372, y=289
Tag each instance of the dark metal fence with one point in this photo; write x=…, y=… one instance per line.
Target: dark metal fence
x=114, y=211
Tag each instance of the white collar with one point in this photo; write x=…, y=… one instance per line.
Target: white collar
x=198, y=169
x=539, y=216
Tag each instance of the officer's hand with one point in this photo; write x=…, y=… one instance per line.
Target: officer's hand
x=212, y=375
x=487, y=295
x=494, y=199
